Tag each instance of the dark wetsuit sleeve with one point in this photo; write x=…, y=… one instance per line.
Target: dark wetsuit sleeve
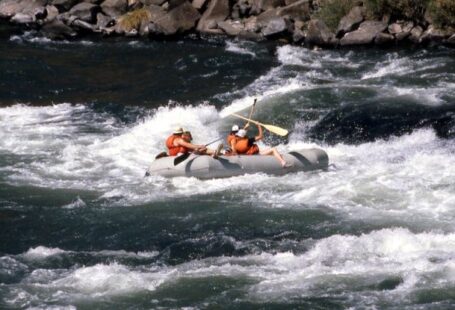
x=251, y=141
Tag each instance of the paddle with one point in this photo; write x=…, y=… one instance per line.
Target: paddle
x=251, y=113
x=183, y=157
x=275, y=129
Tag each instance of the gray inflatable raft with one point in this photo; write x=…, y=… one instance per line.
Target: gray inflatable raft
x=205, y=167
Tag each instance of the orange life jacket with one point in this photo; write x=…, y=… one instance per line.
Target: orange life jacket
x=242, y=147
x=174, y=150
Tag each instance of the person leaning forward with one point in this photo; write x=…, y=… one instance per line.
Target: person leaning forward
x=179, y=143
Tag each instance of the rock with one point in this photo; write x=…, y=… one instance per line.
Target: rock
x=85, y=11
x=57, y=30
x=402, y=35
x=251, y=36
x=103, y=21
x=383, y=38
x=289, y=2
x=395, y=28
x=9, y=8
x=83, y=25
x=433, y=34
x=21, y=18
x=415, y=34
x=298, y=34
x=275, y=26
x=63, y=5
x=52, y=13
x=198, y=4
x=355, y=16
x=252, y=24
x=178, y=20
x=451, y=40
x=174, y=3
x=319, y=34
x=156, y=12
x=114, y=8
x=231, y=28
x=407, y=26
x=258, y=6
x=152, y=2
x=217, y=11
x=299, y=10
x=366, y=33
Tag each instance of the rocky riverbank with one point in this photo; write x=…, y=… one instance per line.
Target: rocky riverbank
x=293, y=21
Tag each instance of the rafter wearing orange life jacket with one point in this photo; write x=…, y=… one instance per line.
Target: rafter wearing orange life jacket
x=245, y=145
x=174, y=150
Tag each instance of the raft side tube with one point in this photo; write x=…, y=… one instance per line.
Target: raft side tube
x=206, y=167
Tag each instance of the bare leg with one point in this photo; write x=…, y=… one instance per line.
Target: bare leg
x=274, y=152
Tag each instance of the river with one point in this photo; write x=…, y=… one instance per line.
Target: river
x=81, y=228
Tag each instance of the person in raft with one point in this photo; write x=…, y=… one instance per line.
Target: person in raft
x=241, y=144
x=179, y=143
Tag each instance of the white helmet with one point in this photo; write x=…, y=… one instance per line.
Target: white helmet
x=241, y=133
x=235, y=128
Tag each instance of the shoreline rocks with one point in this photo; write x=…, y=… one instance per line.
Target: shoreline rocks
x=292, y=21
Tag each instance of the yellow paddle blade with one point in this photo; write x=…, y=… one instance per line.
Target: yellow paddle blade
x=272, y=128
x=276, y=130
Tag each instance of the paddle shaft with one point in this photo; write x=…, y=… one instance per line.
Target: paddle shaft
x=272, y=128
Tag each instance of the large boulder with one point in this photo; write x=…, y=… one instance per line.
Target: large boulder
x=198, y=4
x=415, y=34
x=319, y=34
x=9, y=8
x=355, y=16
x=384, y=38
x=217, y=11
x=366, y=33
x=274, y=27
x=85, y=11
x=299, y=10
x=178, y=20
x=451, y=40
x=152, y=2
x=434, y=34
x=21, y=18
x=231, y=28
x=57, y=30
x=114, y=8
x=258, y=6
x=52, y=13
x=64, y=5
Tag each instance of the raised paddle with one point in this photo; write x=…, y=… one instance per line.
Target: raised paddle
x=251, y=113
x=272, y=128
x=183, y=157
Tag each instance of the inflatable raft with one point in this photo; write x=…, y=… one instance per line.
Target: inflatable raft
x=206, y=167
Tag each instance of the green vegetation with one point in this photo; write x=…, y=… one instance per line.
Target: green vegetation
x=442, y=12
x=134, y=19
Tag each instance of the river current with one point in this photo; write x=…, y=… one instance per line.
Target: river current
x=81, y=228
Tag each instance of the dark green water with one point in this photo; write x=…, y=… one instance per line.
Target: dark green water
x=80, y=227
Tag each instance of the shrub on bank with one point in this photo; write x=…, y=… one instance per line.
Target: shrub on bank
x=331, y=11
x=132, y=20
x=442, y=12
x=398, y=9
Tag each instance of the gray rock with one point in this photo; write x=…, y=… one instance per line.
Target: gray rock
x=383, y=38
x=83, y=25
x=366, y=33
x=21, y=18
x=355, y=16
x=114, y=8
x=319, y=34
x=152, y=2
x=52, y=13
x=251, y=36
x=434, y=34
x=251, y=24
x=395, y=28
x=57, y=30
x=231, y=28
x=85, y=11
x=415, y=34
x=63, y=5
x=156, y=13
x=402, y=35
x=103, y=21
x=299, y=10
x=9, y=8
x=451, y=40
x=217, y=11
x=178, y=20
x=407, y=26
x=258, y=6
x=275, y=26
x=198, y=4
x=174, y=3
x=298, y=33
